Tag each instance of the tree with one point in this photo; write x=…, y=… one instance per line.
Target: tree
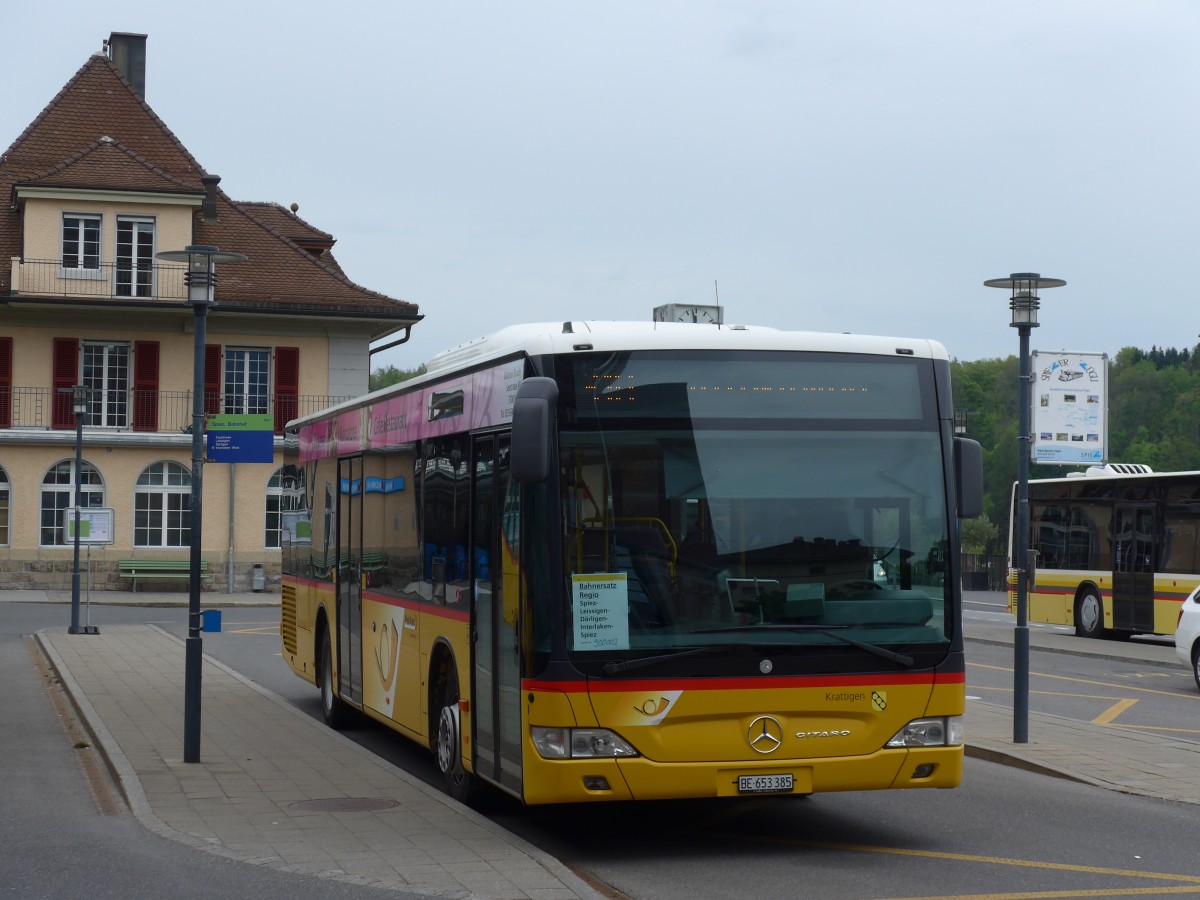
x=381, y=378
x=979, y=535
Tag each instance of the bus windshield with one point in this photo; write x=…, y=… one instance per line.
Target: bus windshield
x=781, y=500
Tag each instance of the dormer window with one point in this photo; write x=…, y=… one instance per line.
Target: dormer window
x=80, y=244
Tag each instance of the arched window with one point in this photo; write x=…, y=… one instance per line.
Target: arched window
x=285, y=494
x=162, y=506
x=58, y=495
x=5, y=495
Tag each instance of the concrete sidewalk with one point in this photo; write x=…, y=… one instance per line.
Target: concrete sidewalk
x=277, y=788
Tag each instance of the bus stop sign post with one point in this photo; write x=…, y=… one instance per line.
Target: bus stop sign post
x=1024, y=305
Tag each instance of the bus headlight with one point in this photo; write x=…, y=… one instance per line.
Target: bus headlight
x=943, y=732
x=579, y=743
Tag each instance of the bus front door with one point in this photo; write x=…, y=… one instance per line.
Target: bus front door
x=349, y=579
x=1133, y=568
x=497, y=669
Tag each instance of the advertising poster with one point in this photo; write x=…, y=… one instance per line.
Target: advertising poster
x=1070, y=408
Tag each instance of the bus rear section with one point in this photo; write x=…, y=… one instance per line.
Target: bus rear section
x=1116, y=550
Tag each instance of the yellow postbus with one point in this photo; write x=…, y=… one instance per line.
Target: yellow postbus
x=599, y=561
x=1116, y=549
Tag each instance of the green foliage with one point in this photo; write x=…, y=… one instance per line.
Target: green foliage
x=381, y=378
x=1153, y=418
x=979, y=535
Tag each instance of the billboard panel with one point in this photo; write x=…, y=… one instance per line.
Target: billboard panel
x=1070, y=408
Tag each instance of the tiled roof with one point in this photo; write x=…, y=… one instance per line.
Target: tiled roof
x=98, y=133
x=108, y=165
x=286, y=221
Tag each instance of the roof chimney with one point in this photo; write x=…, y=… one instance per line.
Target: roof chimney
x=209, y=208
x=128, y=53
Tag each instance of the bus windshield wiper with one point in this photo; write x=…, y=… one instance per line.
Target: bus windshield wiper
x=612, y=667
x=827, y=630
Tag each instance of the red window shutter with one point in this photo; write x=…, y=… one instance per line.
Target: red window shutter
x=212, y=379
x=287, y=385
x=66, y=374
x=6, y=344
x=145, y=385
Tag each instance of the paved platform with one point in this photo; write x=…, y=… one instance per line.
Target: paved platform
x=277, y=788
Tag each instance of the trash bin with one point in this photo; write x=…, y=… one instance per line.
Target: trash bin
x=210, y=620
x=259, y=579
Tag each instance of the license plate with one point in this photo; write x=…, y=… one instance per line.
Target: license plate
x=764, y=784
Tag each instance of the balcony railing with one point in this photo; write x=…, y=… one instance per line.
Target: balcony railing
x=48, y=278
x=144, y=411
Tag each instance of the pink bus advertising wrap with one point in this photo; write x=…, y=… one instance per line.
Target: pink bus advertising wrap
x=478, y=400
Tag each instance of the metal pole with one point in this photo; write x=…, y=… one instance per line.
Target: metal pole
x=194, y=645
x=1021, y=634
x=201, y=279
x=75, y=629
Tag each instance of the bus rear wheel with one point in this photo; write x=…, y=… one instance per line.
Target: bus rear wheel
x=459, y=783
x=1089, y=615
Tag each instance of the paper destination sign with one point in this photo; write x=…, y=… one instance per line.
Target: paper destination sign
x=601, y=611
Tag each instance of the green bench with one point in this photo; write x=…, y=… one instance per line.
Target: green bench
x=154, y=569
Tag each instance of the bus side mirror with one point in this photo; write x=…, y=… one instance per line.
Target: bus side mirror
x=968, y=475
x=533, y=424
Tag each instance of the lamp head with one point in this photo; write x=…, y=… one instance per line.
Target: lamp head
x=79, y=399
x=1025, y=301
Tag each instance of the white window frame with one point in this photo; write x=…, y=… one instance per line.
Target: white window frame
x=242, y=366
x=136, y=260
x=79, y=270
x=91, y=496
x=109, y=402
x=167, y=485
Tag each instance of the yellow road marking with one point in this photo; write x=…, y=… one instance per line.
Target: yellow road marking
x=1039, y=895
x=1106, y=717
x=1140, y=675
x=1193, y=880
x=1123, y=687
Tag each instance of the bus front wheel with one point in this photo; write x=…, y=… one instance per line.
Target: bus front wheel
x=458, y=781
x=1089, y=615
x=333, y=709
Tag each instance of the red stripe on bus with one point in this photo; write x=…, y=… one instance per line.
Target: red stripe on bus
x=742, y=684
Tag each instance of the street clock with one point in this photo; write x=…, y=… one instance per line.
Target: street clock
x=686, y=312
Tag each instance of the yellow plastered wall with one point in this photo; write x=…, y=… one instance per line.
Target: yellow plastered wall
x=27, y=466
x=43, y=224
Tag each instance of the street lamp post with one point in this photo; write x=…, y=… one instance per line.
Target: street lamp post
x=79, y=405
x=201, y=279
x=1024, y=305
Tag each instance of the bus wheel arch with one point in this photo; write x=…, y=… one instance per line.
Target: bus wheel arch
x=1089, y=612
x=445, y=724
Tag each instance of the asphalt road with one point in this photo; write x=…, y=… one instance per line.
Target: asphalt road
x=1004, y=833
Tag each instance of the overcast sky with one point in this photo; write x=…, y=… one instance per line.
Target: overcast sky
x=834, y=166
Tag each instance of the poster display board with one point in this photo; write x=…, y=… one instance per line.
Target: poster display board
x=95, y=525
x=1070, y=408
